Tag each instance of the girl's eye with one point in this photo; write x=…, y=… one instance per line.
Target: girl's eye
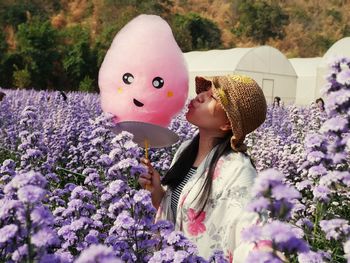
x=213, y=97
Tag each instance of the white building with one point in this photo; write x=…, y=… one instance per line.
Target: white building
x=267, y=65
x=306, y=69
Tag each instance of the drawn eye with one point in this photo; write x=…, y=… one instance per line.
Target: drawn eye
x=158, y=82
x=128, y=78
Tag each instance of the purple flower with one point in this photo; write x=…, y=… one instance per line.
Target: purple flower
x=124, y=221
x=80, y=192
x=30, y=178
x=104, y=160
x=266, y=180
x=126, y=163
x=45, y=237
x=304, y=222
x=65, y=256
x=285, y=237
x=315, y=156
x=314, y=140
x=164, y=227
x=258, y=256
x=137, y=169
x=344, y=77
x=80, y=223
x=114, y=153
x=336, y=124
x=335, y=228
x=31, y=194
x=98, y=253
x=41, y=215
x=129, y=145
x=50, y=258
x=258, y=205
x=92, y=237
x=252, y=233
x=321, y=193
x=33, y=153
x=317, y=171
x=336, y=100
x=7, y=207
x=20, y=253
x=8, y=232
x=285, y=192
x=174, y=237
x=165, y=255
x=332, y=177
x=143, y=196
x=306, y=184
x=180, y=256
x=310, y=257
x=75, y=204
x=122, y=136
x=116, y=187
x=218, y=257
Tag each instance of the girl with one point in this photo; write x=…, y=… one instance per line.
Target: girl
x=207, y=187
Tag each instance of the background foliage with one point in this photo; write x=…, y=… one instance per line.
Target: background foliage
x=61, y=44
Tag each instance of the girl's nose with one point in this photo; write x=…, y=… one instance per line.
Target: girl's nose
x=201, y=97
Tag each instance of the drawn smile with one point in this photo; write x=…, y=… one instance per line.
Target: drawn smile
x=138, y=103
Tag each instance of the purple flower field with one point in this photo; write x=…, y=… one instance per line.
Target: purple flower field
x=69, y=192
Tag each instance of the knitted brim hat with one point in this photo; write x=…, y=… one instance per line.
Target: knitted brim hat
x=243, y=101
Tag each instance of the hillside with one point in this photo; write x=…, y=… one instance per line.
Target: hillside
x=312, y=27
x=313, y=24
x=61, y=43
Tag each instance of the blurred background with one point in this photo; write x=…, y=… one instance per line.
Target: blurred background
x=60, y=44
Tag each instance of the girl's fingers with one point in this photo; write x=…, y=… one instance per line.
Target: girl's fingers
x=145, y=161
x=143, y=182
x=146, y=176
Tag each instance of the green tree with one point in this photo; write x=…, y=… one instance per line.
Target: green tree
x=87, y=85
x=3, y=44
x=37, y=45
x=79, y=59
x=261, y=20
x=104, y=41
x=21, y=78
x=194, y=32
x=17, y=12
x=8, y=66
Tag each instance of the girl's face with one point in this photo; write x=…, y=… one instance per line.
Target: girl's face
x=205, y=112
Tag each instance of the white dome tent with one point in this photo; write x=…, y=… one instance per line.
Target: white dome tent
x=341, y=48
x=306, y=69
x=267, y=65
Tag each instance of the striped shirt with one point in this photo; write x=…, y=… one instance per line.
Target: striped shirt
x=175, y=195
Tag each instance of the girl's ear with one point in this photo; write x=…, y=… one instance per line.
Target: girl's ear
x=226, y=126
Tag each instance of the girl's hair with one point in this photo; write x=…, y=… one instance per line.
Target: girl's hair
x=185, y=161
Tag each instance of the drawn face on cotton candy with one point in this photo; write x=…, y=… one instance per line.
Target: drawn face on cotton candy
x=144, y=76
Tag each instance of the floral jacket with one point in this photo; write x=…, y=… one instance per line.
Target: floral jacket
x=219, y=226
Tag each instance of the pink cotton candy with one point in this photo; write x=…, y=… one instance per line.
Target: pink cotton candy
x=144, y=76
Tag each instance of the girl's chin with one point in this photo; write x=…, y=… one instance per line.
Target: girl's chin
x=189, y=118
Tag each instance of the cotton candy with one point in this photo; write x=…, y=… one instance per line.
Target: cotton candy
x=144, y=76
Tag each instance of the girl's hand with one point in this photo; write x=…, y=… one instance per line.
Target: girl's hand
x=151, y=182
